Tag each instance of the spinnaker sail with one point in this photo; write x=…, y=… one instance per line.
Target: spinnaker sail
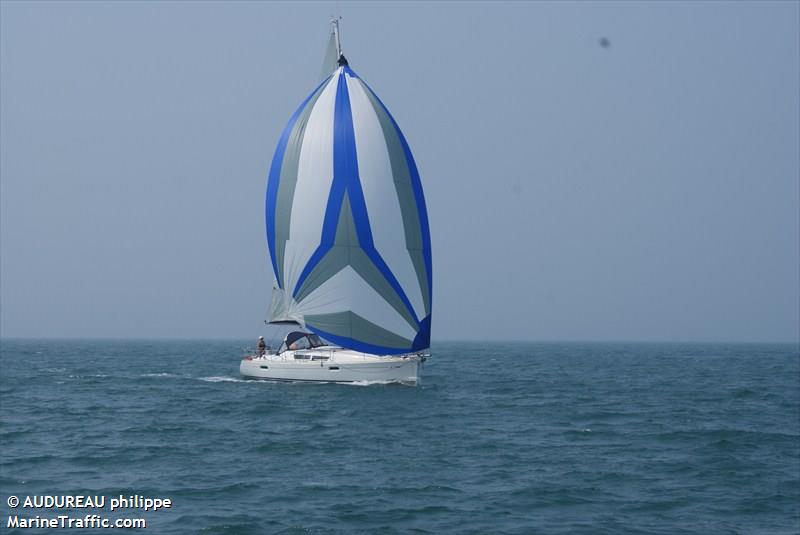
x=347, y=226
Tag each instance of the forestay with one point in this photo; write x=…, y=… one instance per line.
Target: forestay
x=347, y=227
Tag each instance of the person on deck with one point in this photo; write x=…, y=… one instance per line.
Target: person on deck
x=262, y=346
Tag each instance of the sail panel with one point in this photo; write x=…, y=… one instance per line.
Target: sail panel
x=331, y=55
x=282, y=309
x=338, y=328
x=272, y=213
x=288, y=181
x=381, y=193
x=327, y=299
x=346, y=251
x=314, y=176
x=348, y=241
x=421, y=219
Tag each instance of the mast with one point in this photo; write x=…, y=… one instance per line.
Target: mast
x=335, y=26
x=340, y=59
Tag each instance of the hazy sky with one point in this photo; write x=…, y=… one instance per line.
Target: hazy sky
x=647, y=190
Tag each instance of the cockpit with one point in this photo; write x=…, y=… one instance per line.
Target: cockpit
x=300, y=340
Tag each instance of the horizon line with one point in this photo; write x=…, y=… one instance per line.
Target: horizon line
x=434, y=342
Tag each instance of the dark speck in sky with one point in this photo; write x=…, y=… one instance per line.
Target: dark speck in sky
x=604, y=42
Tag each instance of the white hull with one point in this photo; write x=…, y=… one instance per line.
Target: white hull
x=333, y=365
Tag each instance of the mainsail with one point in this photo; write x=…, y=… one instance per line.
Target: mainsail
x=347, y=227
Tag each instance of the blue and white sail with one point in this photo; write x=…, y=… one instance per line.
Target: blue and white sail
x=347, y=227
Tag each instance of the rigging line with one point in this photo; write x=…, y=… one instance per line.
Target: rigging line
x=274, y=332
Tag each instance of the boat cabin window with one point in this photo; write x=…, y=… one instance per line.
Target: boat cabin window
x=300, y=343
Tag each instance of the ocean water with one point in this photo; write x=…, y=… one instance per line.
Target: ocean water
x=498, y=438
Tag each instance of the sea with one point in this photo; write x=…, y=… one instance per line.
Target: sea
x=505, y=438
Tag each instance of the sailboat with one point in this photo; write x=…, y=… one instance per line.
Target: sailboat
x=348, y=239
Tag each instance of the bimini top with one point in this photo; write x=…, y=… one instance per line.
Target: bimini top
x=301, y=340
x=347, y=227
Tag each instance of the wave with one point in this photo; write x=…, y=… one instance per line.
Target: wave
x=367, y=382
x=219, y=379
